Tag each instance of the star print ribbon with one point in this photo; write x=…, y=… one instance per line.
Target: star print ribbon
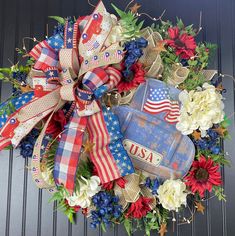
x=8, y=108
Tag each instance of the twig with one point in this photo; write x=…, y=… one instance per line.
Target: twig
x=152, y=18
x=200, y=24
x=129, y=4
x=23, y=42
x=90, y=3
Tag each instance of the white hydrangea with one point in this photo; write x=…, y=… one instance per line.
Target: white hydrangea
x=88, y=188
x=172, y=194
x=200, y=109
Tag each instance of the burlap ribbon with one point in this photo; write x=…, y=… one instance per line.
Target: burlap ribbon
x=151, y=59
x=178, y=75
x=132, y=191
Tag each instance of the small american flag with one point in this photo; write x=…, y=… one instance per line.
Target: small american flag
x=159, y=101
x=92, y=45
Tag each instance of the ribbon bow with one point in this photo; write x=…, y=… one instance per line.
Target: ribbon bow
x=60, y=67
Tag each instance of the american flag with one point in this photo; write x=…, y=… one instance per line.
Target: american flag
x=92, y=44
x=159, y=101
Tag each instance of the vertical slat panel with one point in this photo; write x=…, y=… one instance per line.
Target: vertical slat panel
x=39, y=221
x=54, y=232
x=25, y=185
x=36, y=216
x=3, y=155
x=9, y=42
x=227, y=67
x=8, y=212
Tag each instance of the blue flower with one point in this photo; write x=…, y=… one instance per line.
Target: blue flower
x=210, y=142
x=107, y=208
x=152, y=184
x=134, y=51
x=27, y=144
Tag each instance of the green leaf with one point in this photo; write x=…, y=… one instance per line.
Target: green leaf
x=1, y=75
x=119, y=11
x=5, y=70
x=226, y=122
x=8, y=147
x=192, y=62
x=180, y=23
x=128, y=226
x=61, y=20
x=219, y=193
x=129, y=22
x=103, y=227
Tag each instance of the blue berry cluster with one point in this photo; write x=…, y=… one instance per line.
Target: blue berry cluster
x=27, y=144
x=211, y=142
x=134, y=50
x=21, y=77
x=152, y=184
x=107, y=208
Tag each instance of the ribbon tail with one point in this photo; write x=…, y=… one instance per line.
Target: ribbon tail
x=36, y=158
x=4, y=142
x=108, y=154
x=68, y=151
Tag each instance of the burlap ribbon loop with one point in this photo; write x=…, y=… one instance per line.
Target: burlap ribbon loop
x=132, y=191
x=151, y=59
x=179, y=75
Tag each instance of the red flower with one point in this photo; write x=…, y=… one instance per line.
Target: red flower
x=85, y=211
x=184, y=44
x=56, y=124
x=95, y=171
x=140, y=208
x=110, y=185
x=76, y=208
x=203, y=176
x=138, y=78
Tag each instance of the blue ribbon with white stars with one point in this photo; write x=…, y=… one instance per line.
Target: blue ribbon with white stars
x=9, y=107
x=120, y=155
x=56, y=42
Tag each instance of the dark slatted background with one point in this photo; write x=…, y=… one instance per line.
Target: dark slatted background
x=24, y=210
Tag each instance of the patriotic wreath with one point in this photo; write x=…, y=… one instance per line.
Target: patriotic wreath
x=122, y=121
